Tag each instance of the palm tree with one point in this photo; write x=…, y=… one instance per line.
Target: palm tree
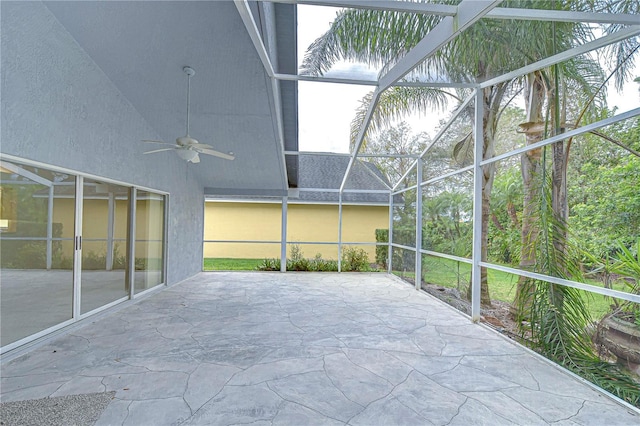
x=485, y=50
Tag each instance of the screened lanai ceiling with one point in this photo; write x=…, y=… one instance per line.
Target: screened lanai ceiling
x=142, y=47
x=244, y=95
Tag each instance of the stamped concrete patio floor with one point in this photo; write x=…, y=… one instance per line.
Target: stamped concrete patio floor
x=302, y=349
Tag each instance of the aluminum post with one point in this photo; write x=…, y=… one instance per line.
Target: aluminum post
x=131, y=242
x=477, y=208
x=111, y=207
x=390, y=233
x=283, y=236
x=50, y=228
x=340, y=231
x=418, y=274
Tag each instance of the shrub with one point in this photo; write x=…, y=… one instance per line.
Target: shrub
x=269, y=265
x=31, y=256
x=321, y=265
x=299, y=265
x=355, y=259
x=382, y=252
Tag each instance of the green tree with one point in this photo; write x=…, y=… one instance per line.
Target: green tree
x=604, y=199
x=485, y=50
x=382, y=37
x=396, y=140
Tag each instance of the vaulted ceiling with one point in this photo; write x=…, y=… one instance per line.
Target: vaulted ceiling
x=142, y=47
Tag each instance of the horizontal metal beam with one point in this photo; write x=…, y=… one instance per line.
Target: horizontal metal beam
x=338, y=154
x=562, y=16
x=497, y=13
x=567, y=54
x=14, y=168
x=400, y=246
x=407, y=189
x=567, y=283
x=243, y=241
x=362, y=82
x=336, y=80
x=355, y=191
x=435, y=140
x=330, y=154
x=469, y=11
x=358, y=243
x=397, y=6
x=446, y=256
x=448, y=175
x=246, y=191
x=575, y=132
x=437, y=84
x=390, y=155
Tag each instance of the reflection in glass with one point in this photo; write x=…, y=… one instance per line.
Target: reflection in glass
x=149, y=242
x=104, y=225
x=36, y=243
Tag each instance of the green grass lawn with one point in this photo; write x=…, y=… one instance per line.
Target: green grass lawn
x=227, y=264
x=502, y=285
x=444, y=272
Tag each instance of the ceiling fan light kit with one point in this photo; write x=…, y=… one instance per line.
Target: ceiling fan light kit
x=188, y=155
x=187, y=147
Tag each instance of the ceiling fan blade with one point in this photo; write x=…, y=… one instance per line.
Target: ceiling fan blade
x=196, y=159
x=154, y=141
x=216, y=153
x=159, y=150
x=201, y=145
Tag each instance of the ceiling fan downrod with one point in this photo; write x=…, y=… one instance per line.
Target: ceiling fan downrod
x=189, y=72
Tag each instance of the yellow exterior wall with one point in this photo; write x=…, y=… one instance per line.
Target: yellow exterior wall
x=242, y=221
x=149, y=226
x=305, y=222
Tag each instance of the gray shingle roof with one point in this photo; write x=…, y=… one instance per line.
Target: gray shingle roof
x=317, y=171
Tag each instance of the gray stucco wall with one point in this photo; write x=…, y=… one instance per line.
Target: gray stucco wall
x=59, y=108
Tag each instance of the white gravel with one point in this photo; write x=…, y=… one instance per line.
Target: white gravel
x=71, y=410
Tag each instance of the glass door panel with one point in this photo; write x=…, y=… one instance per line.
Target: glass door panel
x=104, y=224
x=37, y=211
x=149, y=242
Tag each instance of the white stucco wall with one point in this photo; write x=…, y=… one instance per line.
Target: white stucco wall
x=59, y=108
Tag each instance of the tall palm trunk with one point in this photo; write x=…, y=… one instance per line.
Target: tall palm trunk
x=531, y=166
x=559, y=175
x=492, y=98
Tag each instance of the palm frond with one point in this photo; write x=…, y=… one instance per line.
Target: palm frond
x=370, y=36
x=395, y=103
x=558, y=315
x=625, y=52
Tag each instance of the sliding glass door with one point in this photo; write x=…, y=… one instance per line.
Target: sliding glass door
x=149, y=243
x=104, y=238
x=36, y=250
x=72, y=245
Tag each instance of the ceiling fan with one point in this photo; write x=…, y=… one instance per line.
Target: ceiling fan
x=187, y=147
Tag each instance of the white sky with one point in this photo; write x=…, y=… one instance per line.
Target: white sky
x=325, y=110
